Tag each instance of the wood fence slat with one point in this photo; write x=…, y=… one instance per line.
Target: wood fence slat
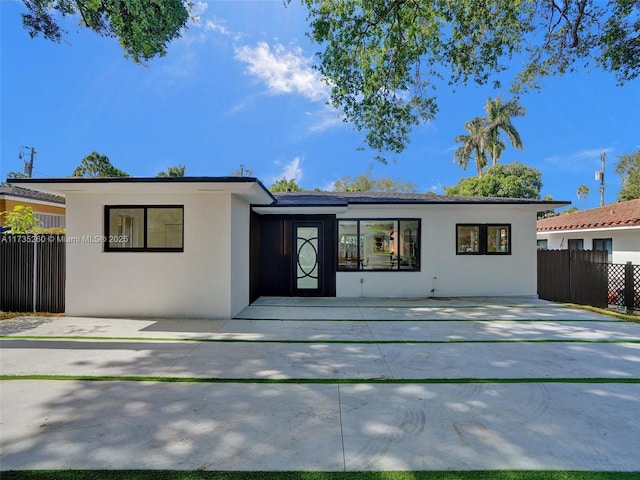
x=574, y=276
x=17, y=272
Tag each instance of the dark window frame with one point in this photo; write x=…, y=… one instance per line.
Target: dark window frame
x=578, y=242
x=144, y=248
x=604, y=240
x=483, y=229
x=379, y=219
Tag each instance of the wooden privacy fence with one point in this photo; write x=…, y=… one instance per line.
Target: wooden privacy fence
x=574, y=276
x=32, y=273
x=584, y=277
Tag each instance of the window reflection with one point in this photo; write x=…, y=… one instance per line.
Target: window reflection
x=385, y=244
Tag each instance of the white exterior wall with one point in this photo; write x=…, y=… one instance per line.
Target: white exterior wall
x=440, y=267
x=194, y=283
x=626, y=241
x=239, y=266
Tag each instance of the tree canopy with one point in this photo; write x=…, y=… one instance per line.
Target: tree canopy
x=364, y=183
x=473, y=143
x=144, y=28
x=97, y=165
x=628, y=167
x=177, y=171
x=484, y=134
x=383, y=58
x=498, y=117
x=583, y=192
x=513, y=180
x=285, y=185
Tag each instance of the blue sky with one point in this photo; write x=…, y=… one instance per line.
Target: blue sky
x=238, y=89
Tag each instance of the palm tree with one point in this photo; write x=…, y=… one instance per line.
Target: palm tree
x=474, y=143
x=499, y=119
x=583, y=193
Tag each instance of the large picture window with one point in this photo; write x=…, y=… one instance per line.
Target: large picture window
x=379, y=244
x=144, y=228
x=483, y=239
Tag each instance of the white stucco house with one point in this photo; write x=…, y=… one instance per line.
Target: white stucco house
x=614, y=227
x=206, y=247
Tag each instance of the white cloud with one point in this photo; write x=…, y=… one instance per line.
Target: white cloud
x=199, y=21
x=293, y=170
x=197, y=10
x=215, y=26
x=283, y=70
x=324, y=119
x=588, y=154
x=436, y=188
x=290, y=171
x=188, y=50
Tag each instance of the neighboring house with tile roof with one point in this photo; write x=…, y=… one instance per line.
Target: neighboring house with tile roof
x=205, y=247
x=48, y=208
x=614, y=227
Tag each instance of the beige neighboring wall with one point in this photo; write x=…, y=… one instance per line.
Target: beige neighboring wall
x=8, y=203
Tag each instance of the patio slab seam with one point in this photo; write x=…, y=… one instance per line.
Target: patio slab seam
x=63, y=338
x=323, y=381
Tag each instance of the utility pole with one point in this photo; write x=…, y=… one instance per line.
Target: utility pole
x=28, y=164
x=600, y=176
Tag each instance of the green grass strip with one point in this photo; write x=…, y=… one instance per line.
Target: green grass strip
x=302, y=341
x=629, y=317
x=314, y=381
x=391, y=475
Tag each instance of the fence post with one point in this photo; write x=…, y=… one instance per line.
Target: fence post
x=628, y=287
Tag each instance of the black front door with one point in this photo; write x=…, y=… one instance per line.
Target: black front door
x=293, y=255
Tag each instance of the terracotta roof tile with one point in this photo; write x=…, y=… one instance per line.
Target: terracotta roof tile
x=623, y=214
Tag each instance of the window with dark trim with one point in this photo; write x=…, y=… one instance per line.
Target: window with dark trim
x=144, y=228
x=483, y=239
x=575, y=244
x=379, y=244
x=604, y=244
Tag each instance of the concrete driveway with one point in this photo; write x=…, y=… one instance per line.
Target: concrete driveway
x=326, y=384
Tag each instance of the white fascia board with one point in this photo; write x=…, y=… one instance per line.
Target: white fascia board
x=587, y=230
x=249, y=191
x=324, y=210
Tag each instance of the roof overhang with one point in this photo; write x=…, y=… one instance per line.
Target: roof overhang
x=301, y=210
x=248, y=188
x=587, y=230
x=25, y=199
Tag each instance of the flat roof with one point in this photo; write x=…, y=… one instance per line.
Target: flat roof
x=250, y=188
x=322, y=199
x=259, y=195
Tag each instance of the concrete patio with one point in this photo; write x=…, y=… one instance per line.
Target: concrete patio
x=483, y=383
